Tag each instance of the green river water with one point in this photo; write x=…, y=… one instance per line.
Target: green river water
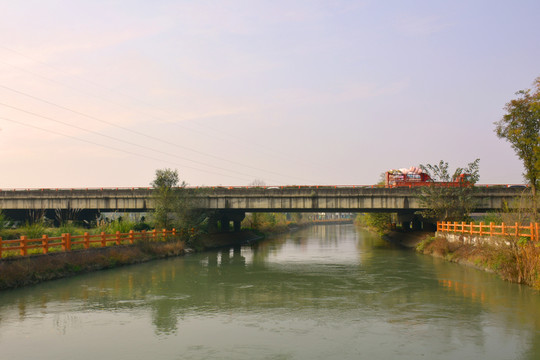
x=326, y=292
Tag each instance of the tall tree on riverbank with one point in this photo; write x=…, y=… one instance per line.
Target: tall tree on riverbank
x=520, y=126
x=448, y=203
x=176, y=205
x=165, y=197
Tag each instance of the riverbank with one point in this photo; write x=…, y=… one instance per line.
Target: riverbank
x=407, y=239
x=24, y=271
x=514, y=262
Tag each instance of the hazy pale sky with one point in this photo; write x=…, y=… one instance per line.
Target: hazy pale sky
x=103, y=93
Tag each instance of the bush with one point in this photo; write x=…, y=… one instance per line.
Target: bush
x=424, y=243
x=34, y=230
x=123, y=226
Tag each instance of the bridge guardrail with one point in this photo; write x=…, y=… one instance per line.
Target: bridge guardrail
x=266, y=187
x=530, y=231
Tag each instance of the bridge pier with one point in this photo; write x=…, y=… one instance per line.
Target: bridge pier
x=410, y=221
x=221, y=220
x=405, y=219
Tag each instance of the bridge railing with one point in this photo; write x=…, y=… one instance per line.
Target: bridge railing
x=530, y=231
x=265, y=187
x=68, y=242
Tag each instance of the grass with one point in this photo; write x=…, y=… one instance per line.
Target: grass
x=424, y=243
x=22, y=271
x=519, y=262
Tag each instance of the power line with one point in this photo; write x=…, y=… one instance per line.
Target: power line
x=119, y=140
x=142, y=101
x=116, y=149
x=135, y=132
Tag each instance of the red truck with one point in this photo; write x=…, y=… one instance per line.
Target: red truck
x=416, y=177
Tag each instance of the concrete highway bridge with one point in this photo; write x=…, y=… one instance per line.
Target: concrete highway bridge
x=228, y=204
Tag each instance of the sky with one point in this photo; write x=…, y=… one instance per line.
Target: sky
x=104, y=93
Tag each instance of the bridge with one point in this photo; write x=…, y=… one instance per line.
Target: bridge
x=231, y=203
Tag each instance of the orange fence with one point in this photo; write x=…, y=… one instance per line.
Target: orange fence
x=67, y=241
x=531, y=231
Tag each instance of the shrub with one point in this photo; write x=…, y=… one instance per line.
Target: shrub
x=34, y=230
x=424, y=243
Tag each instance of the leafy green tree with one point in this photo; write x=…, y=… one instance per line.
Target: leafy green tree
x=376, y=221
x=165, y=197
x=176, y=205
x=520, y=126
x=448, y=203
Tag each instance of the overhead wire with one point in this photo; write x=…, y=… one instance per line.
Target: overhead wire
x=142, y=101
x=114, y=148
x=142, y=134
x=118, y=139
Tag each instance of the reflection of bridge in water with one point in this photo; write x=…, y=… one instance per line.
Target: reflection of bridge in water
x=231, y=204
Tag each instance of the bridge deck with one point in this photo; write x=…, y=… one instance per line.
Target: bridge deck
x=275, y=199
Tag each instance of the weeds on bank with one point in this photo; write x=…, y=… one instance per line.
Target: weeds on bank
x=31, y=270
x=421, y=247
x=518, y=260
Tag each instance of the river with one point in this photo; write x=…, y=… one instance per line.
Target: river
x=325, y=292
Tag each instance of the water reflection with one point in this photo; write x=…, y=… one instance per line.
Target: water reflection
x=328, y=277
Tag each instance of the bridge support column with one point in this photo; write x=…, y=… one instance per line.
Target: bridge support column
x=405, y=219
x=213, y=222
x=225, y=223
x=237, y=217
x=416, y=224
x=226, y=216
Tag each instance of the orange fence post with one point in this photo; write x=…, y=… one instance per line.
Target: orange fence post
x=463, y=227
x=45, y=243
x=472, y=227
x=532, y=231
x=86, y=240
x=143, y=234
x=174, y=231
x=491, y=228
x=24, y=251
x=481, y=224
x=536, y=238
x=103, y=239
x=68, y=242
x=455, y=226
x=164, y=234
x=1, y=244
x=118, y=238
x=517, y=230
x=154, y=234
x=503, y=230
x=131, y=237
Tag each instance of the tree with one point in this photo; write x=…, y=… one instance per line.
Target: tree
x=448, y=203
x=520, y=126
x=165, y=196
x=176, y=205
